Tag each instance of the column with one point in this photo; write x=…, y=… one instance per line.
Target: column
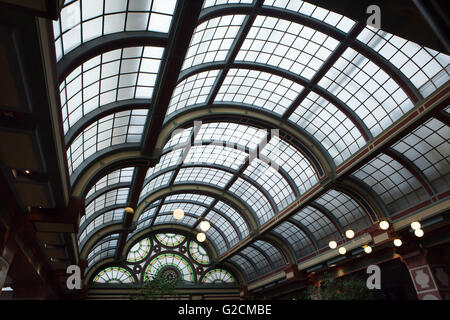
x=429, y=273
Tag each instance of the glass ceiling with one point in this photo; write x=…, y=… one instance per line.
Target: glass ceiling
x=336, y=86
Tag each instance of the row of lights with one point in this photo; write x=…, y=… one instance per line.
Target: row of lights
x=204, y=224
x=384, y=225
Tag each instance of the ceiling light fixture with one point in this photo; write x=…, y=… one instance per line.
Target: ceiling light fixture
x=178, y=214
x=397, y=242
x=416, y=225
x=384, y=225
x=349, y=233
x=367, y=249
x=201, y=237
x=419, y=233
x=205, y=225
x=342, y=250
x=332, y=244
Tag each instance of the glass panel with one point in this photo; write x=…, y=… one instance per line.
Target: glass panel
x=428, y=148
x=233, y=134
x=212, y=40
x=189, y=208
x=276, y=258
x=218, y=276
x=211, y=3
x=395, y=184
x=286, y=45
x=192, y=90
x=254, y=200
x=172, y=260
x=318, y=224
x=225, y=226
x=206, y=200
x=114, y=275
x=297, y=239
x=217, y=240
x=426, y=68
x=272, y=181
x=258, y=89
x=139, y=251
x=158, y=182
x=334, y=19
x=246, y=268
x=118, y=128
x=103, y=249
x=169, y=219
x=170, y=159
x=232, y=214
x=85, y=20
x=107, y=199
x=375, y=97
x=118, y=176
x=292, y=161
x=109, y=217
x=170, y=239
x=218, y=155
x=215, y=177
x=116, y=75
x=345, y=209
x=329, y=126
x=258, y=259
x=198, y=253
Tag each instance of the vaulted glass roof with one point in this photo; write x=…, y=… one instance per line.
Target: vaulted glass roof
x=257, y=112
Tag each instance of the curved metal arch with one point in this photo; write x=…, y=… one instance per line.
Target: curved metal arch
x=95, y=234
x=225, y=169
x=411, y=91
x=238, y=232
x=282, y=245
x=309, y=147
x=210, y=248
x=250, y=261
x=367, y=194
x=104, y=250
x=330, y=216
x=98, y=213
x=237, y=204
x=103, y=190
x=97, y=46
x=101, y=232
x=225, y=144
x=370, y=208
x=100, y=242
x=235, y=271
x=412, y=168
x=104, y=164
x=266, y=257
x=96, y=160
x=305, y=230
x=349, y=113
x=278, y=235
x=102, y=264
x=104, y=111
x=227, y=244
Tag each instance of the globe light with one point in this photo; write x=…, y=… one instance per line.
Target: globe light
x=205, y=225
x=332, y=244
x=349, y=233
x=178, y=214
x=342, y=250
x=415, y=225
x=129, y=210
x=201, y=237
x=418, y=233
x=384, y=225
x=397, y=242
x=368, y=249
